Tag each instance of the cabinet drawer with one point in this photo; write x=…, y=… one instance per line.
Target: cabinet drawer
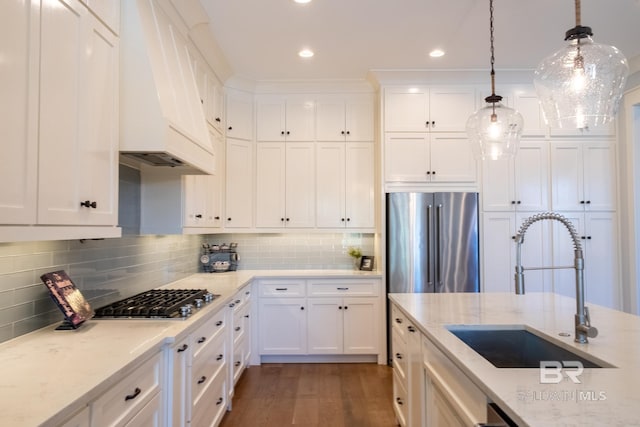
x=399, y=323
x=127, y=397
x=282, y=288
x=209, y=363
x=240, y=323
x=468, y=401
x=329, y=287
x=207, y=333
x=400, y=401
x=400, y=356
x=211, y=405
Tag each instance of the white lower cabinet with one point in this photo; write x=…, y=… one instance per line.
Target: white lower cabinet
x=319, y=317
x=122, y=403
x=240, y=312
x=428, y=389
x=197, y=365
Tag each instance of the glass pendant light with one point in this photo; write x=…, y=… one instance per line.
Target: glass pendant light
x=494, y=130
x=581, y=85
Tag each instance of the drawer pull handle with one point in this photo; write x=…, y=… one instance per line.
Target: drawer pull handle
x=246, y=316
x=219, y=323
x=202, y=339
x=343, y=289
x=400, y=402
x=411, y=329
x=202, y=379
x=282, y=289
x=399, y=356
x=232, y=305
x=238, y=363
x=220, y=357
x=248, y=293
x=237, y=301
x=398, y=320
x=183, y=348
x=238, y=328
x=132, y=396
x=220, y=400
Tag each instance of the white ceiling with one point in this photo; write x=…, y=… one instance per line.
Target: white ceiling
x=261, y=38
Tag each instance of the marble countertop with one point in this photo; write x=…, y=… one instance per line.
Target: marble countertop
x=604, y=396
x=47, y=374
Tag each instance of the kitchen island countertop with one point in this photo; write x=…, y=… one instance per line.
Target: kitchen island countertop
x=46, y=375
x=604, y=396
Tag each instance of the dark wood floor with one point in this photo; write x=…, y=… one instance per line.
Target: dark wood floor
x=336, y=395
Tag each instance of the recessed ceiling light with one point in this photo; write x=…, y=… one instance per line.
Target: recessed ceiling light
x=436, y=53
x=302, y=1
x=305, y=53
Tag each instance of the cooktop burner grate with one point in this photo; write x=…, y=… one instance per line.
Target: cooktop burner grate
x=157, y=303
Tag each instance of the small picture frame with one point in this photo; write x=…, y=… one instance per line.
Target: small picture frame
x=366, y=263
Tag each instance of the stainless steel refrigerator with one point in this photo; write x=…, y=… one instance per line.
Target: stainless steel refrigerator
x=432, y=242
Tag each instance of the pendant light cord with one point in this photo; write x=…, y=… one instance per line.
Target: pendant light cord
x=493, y=59
x=578, y=12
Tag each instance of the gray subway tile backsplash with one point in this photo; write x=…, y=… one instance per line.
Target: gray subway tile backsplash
x=111, y=269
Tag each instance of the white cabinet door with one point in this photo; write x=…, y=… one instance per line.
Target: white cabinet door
x=300, y=207
x=344, y=183
x=270, y=184
x=345, y=118
x=239, y=190
x=180, y=356
x=19, y=45
x=598, y=231
x=330, y=184
x=452, y=159
x=283, y=326
x=325, y=326
x=239, y=114
x=525, y=101
x=195, y=189
x=359, y=185
x=285, y=185
x=450, y=107
x=499, y=230
x=361, y=325
x=407, y=157
x=300, y=118
x=583, y=176
x=406, y=109
x=78, y=136
x=270, y=118
x=520, y=184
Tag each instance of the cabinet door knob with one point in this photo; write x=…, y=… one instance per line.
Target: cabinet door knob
x=229, y=219
x=426, y=124
x=582, y=202
x=513, y=202
x=339, y=307
x=216, y=217
x=89, y=204
x=588, y=237
x=428, y=172
x=346, y=307
x=342, y=219
x=588, y=202
x=287, y=219
x=301, y=308
x=348, y=219
x=433, y=124
x=230, y=128
x=288, y=132
x=348, y=132
x=218, y=119
x=199, y=216
x=282, y=219
x=433, y=172
x=519, y=202
x=342, y=132
x=281, y=132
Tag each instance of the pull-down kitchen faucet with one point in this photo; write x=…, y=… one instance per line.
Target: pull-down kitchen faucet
x=583, y=326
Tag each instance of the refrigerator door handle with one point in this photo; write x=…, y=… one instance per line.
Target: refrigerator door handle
x=429, y=233
x=438, y=255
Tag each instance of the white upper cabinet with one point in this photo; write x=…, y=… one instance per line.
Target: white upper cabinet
x=78, y=136
x=519, y=184
x=525, y=101
x=345, y=118
x=239, y=112
x=211, y=94
x=583, y=176
x=239, y=184
x=423, y=157
x=428, y=109
x=345, y=185
x=285, y=182
x=19, y=45
x=285, y=118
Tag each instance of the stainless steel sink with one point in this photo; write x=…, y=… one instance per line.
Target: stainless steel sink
x=516, y=347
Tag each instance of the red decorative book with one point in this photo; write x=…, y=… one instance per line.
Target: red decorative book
x=68, y=298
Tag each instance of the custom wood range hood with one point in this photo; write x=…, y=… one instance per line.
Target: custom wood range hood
x=161, y=118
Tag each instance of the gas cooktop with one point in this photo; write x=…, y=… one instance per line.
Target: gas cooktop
x=158, y=304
